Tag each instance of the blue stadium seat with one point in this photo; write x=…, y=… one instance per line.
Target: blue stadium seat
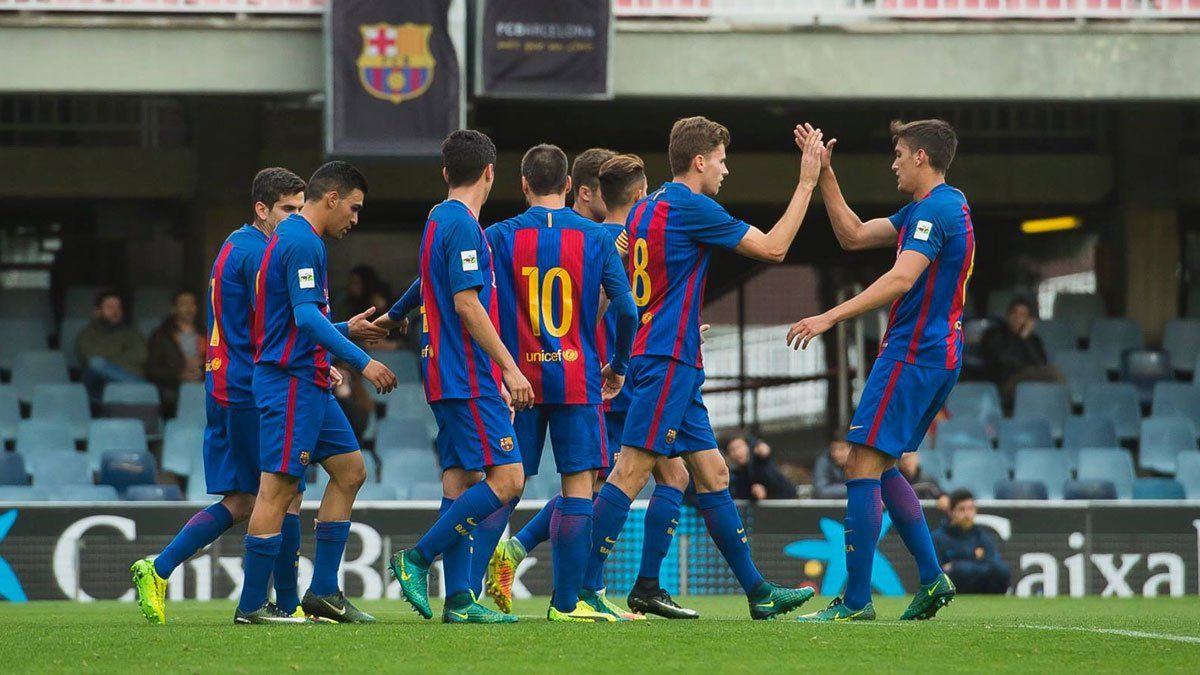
x=12, y=469
x=1111, y=464
x=122, y=469
x=1051, y=467
x=394, y=433
x=407, y=466
x=1110, y=338
x=192, y=403
x=977, y=471
x=1187, y=472
x=80, y=301
x=937, y=463
x=182, y=444
x=998, y=300
x=424, y=491
x=20, y=335
x=1025, y=432
x=26, y=303
x=147, y=326
x=38, y=367
x=973, y=330
x=64, y=403
x=1181, y=340
x=37, y=436
x=153, y=493
x=545, y=486
x=1057, y=335
x=1162, y=438
x=1079, y=310
x=1089, y=489
x=962, y=432
x=1021, y=489
x=68, y=330
x=404, y=363
x=106, y=435
x=1177, y=399
x=976, y=400
x=23, y=494
x=152, y=302
x=59, y=467
x=1158, y=488
x=83, y=493
x=414, y=418
x=1089, y=431
x=376, y=492
x=1145, y=368
x=1081, y=370
x=10, y=414
x=1047, y=400
x=1117, y=402
x=134, y=400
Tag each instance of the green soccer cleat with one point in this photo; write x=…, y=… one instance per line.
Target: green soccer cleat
x=598, y=602
x=413, y=574
x=838, y=611
x=929, y=599
x=151, y=591
x=771, y=600
x=462, y=608
x=502, y=571
x=268, y=614
x=583, y=613
x=336, y=608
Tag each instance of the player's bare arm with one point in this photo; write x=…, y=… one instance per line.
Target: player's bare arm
x=772, y=247
x=472, y=314
x=852, y=233
x=893, y=284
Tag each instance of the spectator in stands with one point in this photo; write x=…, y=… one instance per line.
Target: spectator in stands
x=1013, y=352
x=176, y=350
x=752, y=472
x=352, y=395
x=829, y=471
x=968, y=553
x=923, y=483
x=364, y=289
x=109, y=350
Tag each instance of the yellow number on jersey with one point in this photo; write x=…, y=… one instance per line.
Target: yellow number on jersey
x=641, y=278
x=541, y=300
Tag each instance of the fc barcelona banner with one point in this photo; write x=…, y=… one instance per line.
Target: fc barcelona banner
x=393, y=86
x=545, y=49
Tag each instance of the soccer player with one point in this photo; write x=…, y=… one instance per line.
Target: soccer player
x=301, y=421
x=670, y=237
x=231, y=434
x=919, y=357
x=470, y=382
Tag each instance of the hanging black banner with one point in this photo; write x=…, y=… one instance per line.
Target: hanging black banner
x=545, y=49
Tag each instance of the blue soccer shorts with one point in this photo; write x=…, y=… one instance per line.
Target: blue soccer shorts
x=576, y=435
x=475, y=433
x=898, y=403
x=614, y=424
x=230, y=449
x=301, y=423
x=666, y=412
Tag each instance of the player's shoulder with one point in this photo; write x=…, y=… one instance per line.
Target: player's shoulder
x=945, y=206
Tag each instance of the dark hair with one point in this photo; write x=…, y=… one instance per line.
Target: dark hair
x=271, y=185
x=935, y=137
x=619, y=179
x=465, y=154
x=585, y=170
x=1019, y=301
x=959, y=496
x=693, y=136
x=544, y=167
x=336, y=176
x=104, y=295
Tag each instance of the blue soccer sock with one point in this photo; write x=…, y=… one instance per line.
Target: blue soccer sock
x=864, y=517
x=570, y=538
x=287, y=596
x=483, y=542
x=724, y=525
x=905, y=509
x=537, y=530
x=610, y=510
x=331, y=544
x=662, y=517
x=456, y=560
x=455, y=526
x=201, y=530
x=261, y=553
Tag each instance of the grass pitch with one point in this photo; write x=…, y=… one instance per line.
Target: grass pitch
x=974, y=634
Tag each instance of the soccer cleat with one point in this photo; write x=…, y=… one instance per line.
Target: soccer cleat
x=413, y=574
x=598, y=601
x=838, y=611
x=462, y=608
x=151, y=591
x=502, y=571
x=658, y=602
x=929, y=599
x=771, y=600
x=268, y=614
x=583, y=613
x=336, y=608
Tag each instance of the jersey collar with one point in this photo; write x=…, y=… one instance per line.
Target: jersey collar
x=937, y=187
x=462, y=204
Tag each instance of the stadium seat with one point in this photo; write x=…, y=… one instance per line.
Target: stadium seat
x=192, y=403
x=38, y=367
x=314, y=492
x=23, y=494
x=121, y=469
x=1187, y=472
x=154, y=493
x=1089, y=489
x=1046, y=400
x=12, y=469
x=1080, y=369
x=376, y=492
x=1162, y=438
x=962, y=432
x=1177, y=399
x=415, y=418
x=10, y=414
x=1143, y=369
x=394, y=433
x=1057, y=335
x=1181, y=340
x=68, y=330
x=134, y=400
x=80, y=301
x=26, y=303
x=114, y=435
x=59, y=467
x=1025, y=432
x=1118, y=403
x=404, y=363
x=37, y=436
x=1021, y=489
x=1111, y=464
x=64, y=403
x=977, y=471
x=407, y=466
x=424, y=491
x=937, y=463
x=197, y=490
x=20, y=335
x=152, y=303
x=1078, y=311
x=1158, y=488
x=1110, y=338
x=1051, y=467
x=147, y=326
x=999, y=298
x=83, y=493
x=182, y=443
x=976, y=400
x=405, y=394
x=1089, y=431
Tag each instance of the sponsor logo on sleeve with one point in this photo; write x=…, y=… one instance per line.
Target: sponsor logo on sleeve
x=921, y=233
x=470, y=261
x=308, y=279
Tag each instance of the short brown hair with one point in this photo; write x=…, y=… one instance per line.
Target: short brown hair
x=271, y=185
x=693, y=136
x=585, y=170
x=544, y=168
x=935, y=137
x=619, y=178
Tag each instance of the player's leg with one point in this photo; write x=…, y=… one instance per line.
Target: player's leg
x=504, y=557
x=662, y=518
x=457, y=559
x=263, y=541
x=287, y=565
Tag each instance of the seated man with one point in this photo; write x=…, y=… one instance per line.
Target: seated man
x=1013, y=352
x=752, y=472
x=829, y=471
x=923, y=483
x=968, y=553
x=109, y=350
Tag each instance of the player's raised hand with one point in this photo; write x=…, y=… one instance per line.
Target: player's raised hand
x=389, y=324
x=519, y=388
x=803, y=131
x=612, y=383
x=810, y=160
x=381, y=376
x=361, y=329
x=803, y=331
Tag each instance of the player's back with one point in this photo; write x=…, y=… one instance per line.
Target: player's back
x=229, y=361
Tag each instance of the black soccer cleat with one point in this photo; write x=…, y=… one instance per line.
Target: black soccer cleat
x=268, y=614
x=658, y=602
x=335, y=607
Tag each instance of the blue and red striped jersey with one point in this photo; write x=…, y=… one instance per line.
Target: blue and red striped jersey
x=293, y=272
x=606, y=335
x=925, y=324
x=551, y=266
x=229, y=361
x=455, y=257
x=671, y=235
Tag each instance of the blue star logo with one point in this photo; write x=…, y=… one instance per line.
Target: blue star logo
x=832, y=551
x=10, y=586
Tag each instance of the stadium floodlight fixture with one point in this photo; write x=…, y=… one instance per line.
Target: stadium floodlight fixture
x=1057, y=224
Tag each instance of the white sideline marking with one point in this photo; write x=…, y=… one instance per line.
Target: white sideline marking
x=1190, y=639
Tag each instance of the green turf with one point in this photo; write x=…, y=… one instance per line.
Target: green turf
x=973, y=635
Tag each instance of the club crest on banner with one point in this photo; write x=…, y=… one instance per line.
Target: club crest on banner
x=396, y=63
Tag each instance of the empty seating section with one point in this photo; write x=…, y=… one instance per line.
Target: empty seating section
x=20, y=335
x=1111, y=338
x=65, y=404
x=977, y=471
x=1089, y=431
x=1117, y=402
x=1079, y=310
x=114, y=435
x=1047, y=465
x=1114, y=465
x=1057, y=335
x=1080, y=369
x=1025, y=432
x=37, y=367
x=1162, y=439
x=1181, y=340
x=957, y=433
x=1045, y=400
x=976, y=400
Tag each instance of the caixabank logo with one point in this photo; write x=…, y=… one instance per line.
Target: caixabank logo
x=10, y=585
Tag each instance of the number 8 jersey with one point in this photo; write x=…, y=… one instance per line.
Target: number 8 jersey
x=550, y=267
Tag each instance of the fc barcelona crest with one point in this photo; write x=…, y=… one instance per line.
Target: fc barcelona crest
x=396, y=63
